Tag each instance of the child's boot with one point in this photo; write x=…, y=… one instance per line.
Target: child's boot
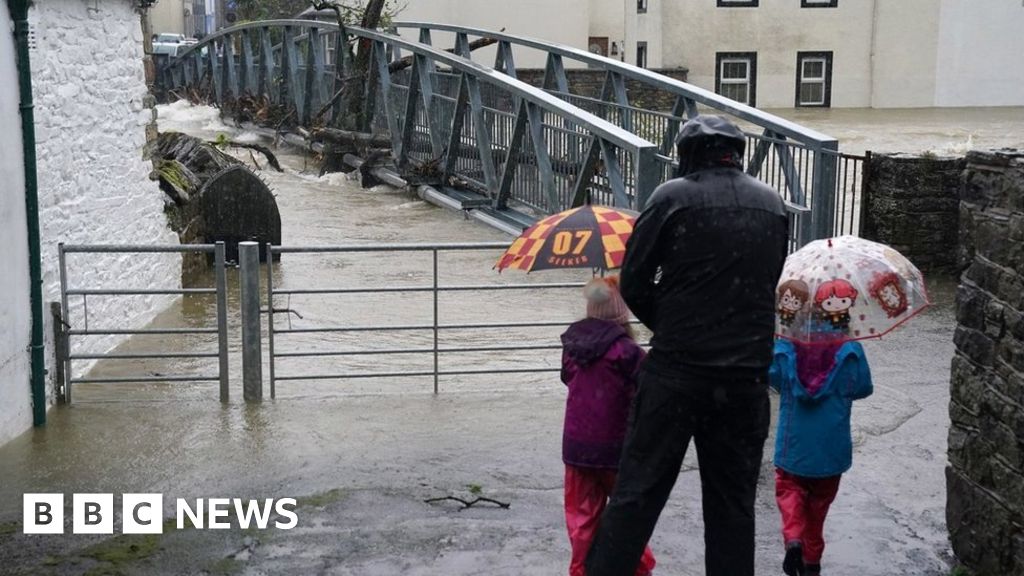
x=793, y=564
x=812, y=570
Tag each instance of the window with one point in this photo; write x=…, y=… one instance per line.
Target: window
x=641, y=6
x=814, y=79
x=736, y=76
x=819, y=3
x=641, y=54
x=737, y=3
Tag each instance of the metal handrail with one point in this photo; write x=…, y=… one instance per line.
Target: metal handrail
x=608, y=131
x=500, y=138
x=777, y=124
x=779, y=133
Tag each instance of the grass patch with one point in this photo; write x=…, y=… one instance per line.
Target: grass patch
x=8, y=528
x=225, y=567
x=959, y=571
x=320, y=500
x=124, y=549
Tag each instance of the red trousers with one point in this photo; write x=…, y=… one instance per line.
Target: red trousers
x=586, y=493
x=804, y=504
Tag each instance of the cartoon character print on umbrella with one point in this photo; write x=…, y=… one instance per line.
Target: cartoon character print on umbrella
x=793, y=295
x=887, y=289
x=834, y=300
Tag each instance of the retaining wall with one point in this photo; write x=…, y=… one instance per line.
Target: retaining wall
x=985, y=476
x=913, y=205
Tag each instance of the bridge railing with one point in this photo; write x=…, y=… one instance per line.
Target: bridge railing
x=476, y=128
x=801, y=163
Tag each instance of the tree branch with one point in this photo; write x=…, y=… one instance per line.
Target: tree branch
x=271, y=159
x=475, y=44
x=470, y=503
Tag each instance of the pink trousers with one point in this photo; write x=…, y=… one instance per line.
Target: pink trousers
x=586, y=493
x=804, y=503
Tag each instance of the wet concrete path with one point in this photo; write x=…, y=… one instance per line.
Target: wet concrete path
x=362, y=466
x=361, y=461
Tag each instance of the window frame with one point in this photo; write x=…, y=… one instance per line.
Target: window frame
x=641, y=6
x=826, y=81
x=738, y=3
x=819, y=3
x=751, y=60
x=641, y=48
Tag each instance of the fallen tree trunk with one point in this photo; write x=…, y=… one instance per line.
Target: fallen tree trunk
x=211, y=197
x=349, y=138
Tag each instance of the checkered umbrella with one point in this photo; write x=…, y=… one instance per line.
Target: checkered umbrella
x=586, y=237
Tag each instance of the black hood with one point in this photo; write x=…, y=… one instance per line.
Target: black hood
x=707, y=142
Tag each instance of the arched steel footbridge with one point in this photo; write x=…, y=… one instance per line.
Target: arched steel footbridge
x=501, y=144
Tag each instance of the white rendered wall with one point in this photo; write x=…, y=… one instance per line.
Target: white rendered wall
x=15, y=313
x=563, y=22
x=694, y=31
x=89, y=86
x=645, y=27
x=980, y=53
x=608, y=19
x=906, y=36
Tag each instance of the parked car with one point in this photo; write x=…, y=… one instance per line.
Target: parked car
x=167, y=43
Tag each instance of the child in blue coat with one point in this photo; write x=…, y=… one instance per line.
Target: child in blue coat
x=817, y=384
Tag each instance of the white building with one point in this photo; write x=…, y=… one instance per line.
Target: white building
x=190, y=17
x=840, y=53
x=15, y=314
x=561, y=21
x=785, y=53
x=89, y=94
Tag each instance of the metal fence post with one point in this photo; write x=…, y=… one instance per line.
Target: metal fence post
x=60, y=349
x=270, y=316
x=222, y=318
x=823, y=192
x=646, y=177
x=249, y=288
x=62, y=259
x=863, y=230
x=435, y=324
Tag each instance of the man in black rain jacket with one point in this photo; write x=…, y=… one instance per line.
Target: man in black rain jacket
x=700, y=271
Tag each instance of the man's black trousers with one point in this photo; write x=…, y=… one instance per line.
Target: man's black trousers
x=728, y=420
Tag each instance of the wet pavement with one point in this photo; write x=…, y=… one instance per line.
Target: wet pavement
x=362, y=457
x=362, y=467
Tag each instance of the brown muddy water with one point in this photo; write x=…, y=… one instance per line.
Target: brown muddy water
x=333, y=210
x=379, y=447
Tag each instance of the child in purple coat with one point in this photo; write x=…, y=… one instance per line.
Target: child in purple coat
x=600, y=359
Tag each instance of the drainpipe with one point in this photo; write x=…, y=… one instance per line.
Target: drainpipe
x=19, y=13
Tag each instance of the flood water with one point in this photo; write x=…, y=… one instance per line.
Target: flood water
x=942, y=131
x=387, y=453
x=334, y=210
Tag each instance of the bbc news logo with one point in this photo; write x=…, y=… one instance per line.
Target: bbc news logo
x=143, y=513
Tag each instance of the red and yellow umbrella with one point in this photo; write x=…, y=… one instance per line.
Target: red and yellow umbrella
x=586, y=237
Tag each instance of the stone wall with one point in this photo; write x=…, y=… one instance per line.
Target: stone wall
x=90, y=95
x=587, y=82
x=15, y=314
x=985, y=476
x=913, y=205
